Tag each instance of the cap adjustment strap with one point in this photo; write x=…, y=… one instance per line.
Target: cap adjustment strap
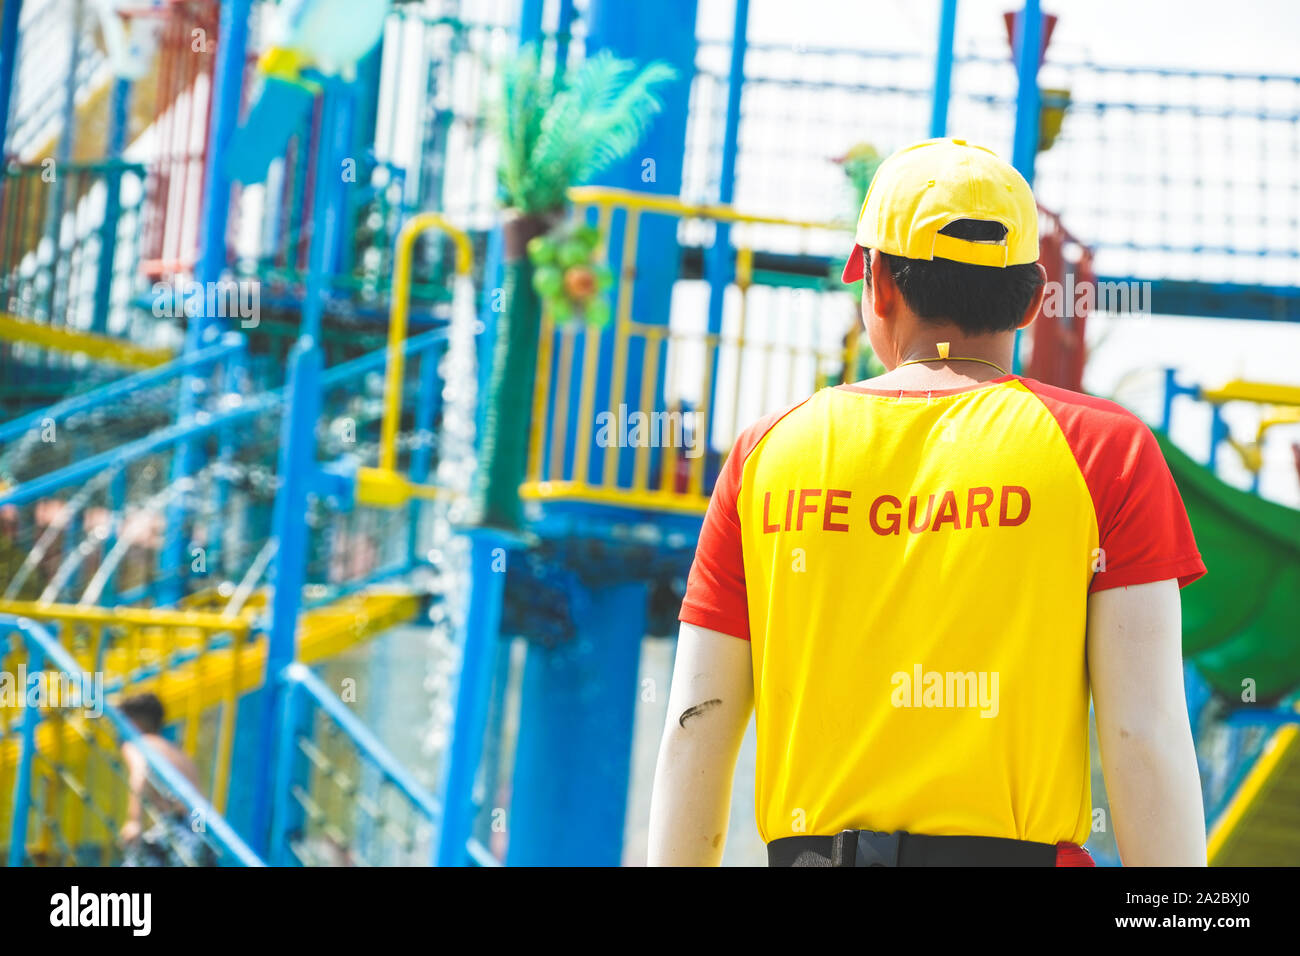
x=973, y=253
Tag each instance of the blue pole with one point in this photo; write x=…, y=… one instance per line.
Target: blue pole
x=473, y=693
x=224, y=118
x=298, y=441
x=235, y=381
x=943, y=69
x=720, y=267
x=1167, y=407
x=530, y=21
x=23, y=780
x=228, y=81
x=287, y=812
x=1219, y=433
x=573, y=758
x=563, y=34
x=1028, y=48
x=297, y=457
x=12, y=10
x=121, y=99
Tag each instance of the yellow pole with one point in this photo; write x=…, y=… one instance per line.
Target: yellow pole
x=586, y=403
x=563, y=385
x=668, y=471
x=650, y=372
x=623, y=318
x=133, y=662
x=226, y=733
x=193, y=713
x=537, y=440
x=399, y=313
x=78, y=830
x=704, y=415
x=590, y=357
x=744, y=271
x=1263, y=393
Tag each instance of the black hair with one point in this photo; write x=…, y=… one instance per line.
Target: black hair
x=977, y=299
x=145, y=711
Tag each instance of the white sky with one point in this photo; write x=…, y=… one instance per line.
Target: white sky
x=1248, y=35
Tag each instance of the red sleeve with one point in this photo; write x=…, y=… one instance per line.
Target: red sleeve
x=715, y=590
x=1141, y=522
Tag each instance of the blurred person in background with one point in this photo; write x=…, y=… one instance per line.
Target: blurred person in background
x=171, y=840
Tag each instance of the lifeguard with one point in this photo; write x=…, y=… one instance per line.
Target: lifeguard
x=946, y=514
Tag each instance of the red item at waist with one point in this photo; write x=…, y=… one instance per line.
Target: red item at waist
x=1070, y=854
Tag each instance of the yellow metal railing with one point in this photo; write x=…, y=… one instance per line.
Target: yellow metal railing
x=194, y=659
x=383, y=486
x=1263, y=393
x=168, y=652
x=102, y=348
x=566, y=461
x=1281, y=404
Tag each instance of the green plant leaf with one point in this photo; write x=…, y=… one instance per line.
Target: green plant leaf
x=553, y=137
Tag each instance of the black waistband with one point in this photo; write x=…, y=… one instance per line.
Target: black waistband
x=870, y=848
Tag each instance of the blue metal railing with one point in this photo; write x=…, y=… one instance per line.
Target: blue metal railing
x=231, y=345
x=199, y=427
x=297, y=804
x=44, y=649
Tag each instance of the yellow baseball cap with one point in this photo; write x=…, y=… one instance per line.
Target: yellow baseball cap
x=923, y=188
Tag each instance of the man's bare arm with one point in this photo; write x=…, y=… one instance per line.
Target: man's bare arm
x=709, y=705
x=1135, y=666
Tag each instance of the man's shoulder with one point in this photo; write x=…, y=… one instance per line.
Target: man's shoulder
x=1086, y=417
x=750, y=437
x=1112, y=446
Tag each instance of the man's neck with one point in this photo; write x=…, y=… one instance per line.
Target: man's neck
x=972, y=359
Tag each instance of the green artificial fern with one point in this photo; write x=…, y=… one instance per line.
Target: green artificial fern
x=553, y=137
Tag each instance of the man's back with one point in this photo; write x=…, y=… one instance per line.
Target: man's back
x=173, y=754
x=933, y=569
x=913, y=571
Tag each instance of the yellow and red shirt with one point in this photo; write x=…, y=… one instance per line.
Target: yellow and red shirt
x=912, y=570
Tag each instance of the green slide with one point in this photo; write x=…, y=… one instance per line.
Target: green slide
x=1239, y=621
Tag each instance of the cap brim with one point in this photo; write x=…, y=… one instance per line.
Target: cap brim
x=854, y=267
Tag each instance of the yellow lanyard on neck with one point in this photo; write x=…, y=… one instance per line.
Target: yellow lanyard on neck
x=943, y=357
